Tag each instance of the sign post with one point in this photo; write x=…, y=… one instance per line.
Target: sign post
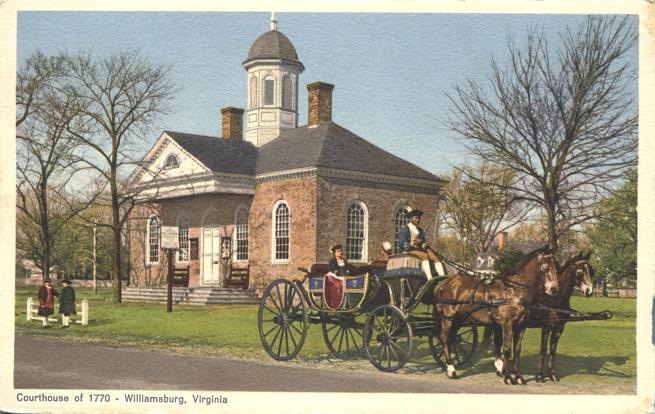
x=170, y=242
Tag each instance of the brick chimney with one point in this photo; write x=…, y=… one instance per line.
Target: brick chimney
x=502, y=240
x=232, y=123
x=319, y=102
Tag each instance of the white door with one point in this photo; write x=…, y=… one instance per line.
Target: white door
x=211, y=255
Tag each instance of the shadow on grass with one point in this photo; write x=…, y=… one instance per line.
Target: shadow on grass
x=565, y=365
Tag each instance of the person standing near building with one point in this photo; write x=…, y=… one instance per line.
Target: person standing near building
x=411, y=239
x=67, y=303
x=46, y=301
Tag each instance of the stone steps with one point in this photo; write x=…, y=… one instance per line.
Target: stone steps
x=192, y=296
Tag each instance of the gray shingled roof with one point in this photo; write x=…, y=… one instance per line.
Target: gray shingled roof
x=331, y=146
x=272, y=45
x=219, y=155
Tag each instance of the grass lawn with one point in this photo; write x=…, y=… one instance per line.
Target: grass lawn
x=601, y=352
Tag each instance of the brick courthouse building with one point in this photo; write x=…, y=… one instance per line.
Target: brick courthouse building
x=277, y=196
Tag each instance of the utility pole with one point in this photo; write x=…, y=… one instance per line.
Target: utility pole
x=95, y=283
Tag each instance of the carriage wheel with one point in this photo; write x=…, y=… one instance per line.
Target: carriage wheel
x=463, y=344
x=282, y=320
x=388, y=338
x=342, y=336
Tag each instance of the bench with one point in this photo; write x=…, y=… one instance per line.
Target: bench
x=238, y=277
x=181, y=277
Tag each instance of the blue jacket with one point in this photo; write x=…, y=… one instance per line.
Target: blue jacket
x=405, y=238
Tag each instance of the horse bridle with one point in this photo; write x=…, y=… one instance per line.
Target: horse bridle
x=519, y=285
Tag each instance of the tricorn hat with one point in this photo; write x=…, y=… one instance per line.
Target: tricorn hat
x=66, y=281
x=414, y=213
x=336, y=247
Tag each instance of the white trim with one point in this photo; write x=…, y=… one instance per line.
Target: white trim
x=158, y=147
x=263, y=103
x=150, y=217
x=433, y=185
x=273, y=238
x=361, y=204
x=180, y=216
x=201, y=246
x=240, y=207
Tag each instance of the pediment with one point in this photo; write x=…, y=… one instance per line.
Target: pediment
x=157, y=165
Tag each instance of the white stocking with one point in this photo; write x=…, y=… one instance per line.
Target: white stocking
x=45, y=321
x=64, y=320
x=440, y=269
x=425, y=265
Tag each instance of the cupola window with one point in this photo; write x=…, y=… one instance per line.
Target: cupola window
x=287, y=93
x=269, y=91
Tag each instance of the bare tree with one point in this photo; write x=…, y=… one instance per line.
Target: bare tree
x=478, y=205
x=122, y=94
x=562, y=118
x=45, y=160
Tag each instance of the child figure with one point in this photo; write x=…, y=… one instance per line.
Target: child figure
x=46, y=301
x=67, y=303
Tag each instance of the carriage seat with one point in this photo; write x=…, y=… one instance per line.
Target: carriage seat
x=403, y=264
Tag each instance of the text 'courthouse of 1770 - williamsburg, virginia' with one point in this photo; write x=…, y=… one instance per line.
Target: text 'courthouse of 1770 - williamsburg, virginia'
x=276, y=197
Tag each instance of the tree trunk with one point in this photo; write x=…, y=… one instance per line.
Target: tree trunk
x=116, y=259
x=45, y=230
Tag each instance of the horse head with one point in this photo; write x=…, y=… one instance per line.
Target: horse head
x=548, y=267
x=584, y=274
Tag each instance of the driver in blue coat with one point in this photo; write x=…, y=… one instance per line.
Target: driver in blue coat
x=411, y=239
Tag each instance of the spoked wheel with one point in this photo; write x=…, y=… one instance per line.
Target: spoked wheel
x=282, y=320
x=343, y=335
x=463, y=344
x=388, y=338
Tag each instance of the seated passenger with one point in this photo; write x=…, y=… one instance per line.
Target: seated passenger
x=338, y=264
x=411, y=239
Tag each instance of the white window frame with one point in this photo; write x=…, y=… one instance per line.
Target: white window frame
x=269, y=78
x=235, y=242
x=364, y=258
x=283, y=104
x=148, y=247
x=274, y=258
x=170, y=167
x=396, y=229
x=183, y=219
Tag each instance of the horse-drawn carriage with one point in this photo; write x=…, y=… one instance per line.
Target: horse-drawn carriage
x=379, y=310
x=382, y=309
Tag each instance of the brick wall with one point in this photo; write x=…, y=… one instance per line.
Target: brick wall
x=300, y=195
x=195, y=208
x=336, y=195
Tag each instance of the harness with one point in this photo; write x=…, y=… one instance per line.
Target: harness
x=487, y=303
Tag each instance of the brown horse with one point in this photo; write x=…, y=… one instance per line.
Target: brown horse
x=576, y=272
x=465, y=299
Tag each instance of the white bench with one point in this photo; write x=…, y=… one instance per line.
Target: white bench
x=33, y=308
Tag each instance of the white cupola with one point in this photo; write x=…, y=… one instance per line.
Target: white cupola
x=273, y=73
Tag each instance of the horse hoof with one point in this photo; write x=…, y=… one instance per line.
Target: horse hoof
x=452, y=375
x=499, y=374
x=520, y=380
x=539, y=378
x=508, y=380
x=553, y=377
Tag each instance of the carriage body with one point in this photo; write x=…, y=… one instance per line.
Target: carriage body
x=378, y=312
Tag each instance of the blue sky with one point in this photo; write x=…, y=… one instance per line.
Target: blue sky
x=391, y=71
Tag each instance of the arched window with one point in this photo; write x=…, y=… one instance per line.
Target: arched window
x=287, y=93
x=269, y=91
x=399, y=221
x=183, y=225
x=242, y=234
x=281, y=226
x=153, y=239
x=356, y=233
x=171, y=162
x=253, y=92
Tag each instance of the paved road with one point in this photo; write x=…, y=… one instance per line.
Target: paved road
x=47, y=363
